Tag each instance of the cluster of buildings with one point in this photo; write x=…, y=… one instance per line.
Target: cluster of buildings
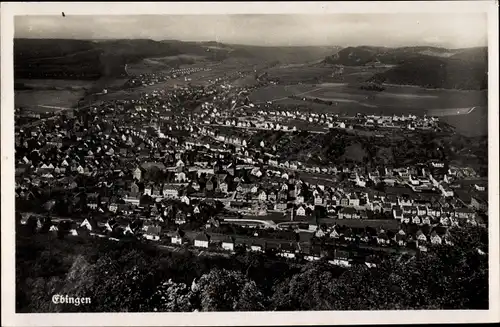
x=158, y=168
x=155, y=78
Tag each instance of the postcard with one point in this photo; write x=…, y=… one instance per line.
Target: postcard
x=249, y=163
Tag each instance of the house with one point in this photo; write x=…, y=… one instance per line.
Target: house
x=90, y=224
x=178, y=238
x=382, y=237
x=478, y=203
x=134, y=189
x=397, y=213
x=445, y=221
x=228, y=243
x=185, y=199
x=435, y=238
x=223, y=187
x=180, y=218
x=113, y=207
x=421, y=210
x=202, y=240
x=170, y=191
x=153, y=233
x=400, y=238
x=301, y=211
x=353, y=200
x=312, y=252
x=133, y=227
x=348, y=213
x=281, y=206
x=262, y=196
x=420, y=236
x=148, y=190
x=180, y=177
x=257, y=246
x=137, y=174
x=344, y=202
x=209, y=186
x=426, y=220
x=319, y=200
x=282, y=196
x=110, y=225
x=464, y=213
x=287, y=250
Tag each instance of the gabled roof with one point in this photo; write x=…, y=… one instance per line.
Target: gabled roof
x=202, y=237
x=153, y=230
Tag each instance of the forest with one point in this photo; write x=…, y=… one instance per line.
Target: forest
x=135, y=277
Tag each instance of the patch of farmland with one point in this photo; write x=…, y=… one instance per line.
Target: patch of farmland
x=35, y=99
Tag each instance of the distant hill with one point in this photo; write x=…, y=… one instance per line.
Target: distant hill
x=362, y=55
x=435, y=72
x=284, y=54
x=93, y=59
x=472, y=55
x=75, y=59
x=421, y=66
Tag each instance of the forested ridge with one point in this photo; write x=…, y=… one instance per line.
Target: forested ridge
x=131, y=277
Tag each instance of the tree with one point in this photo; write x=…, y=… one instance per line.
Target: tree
x=225, y=290
x=311, y=289
x=171, y=297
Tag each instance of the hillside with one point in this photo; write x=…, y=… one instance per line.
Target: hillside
x=93, y=59
x=362, y=55
x=286, y=54
x=434, y=72
x=422, y=66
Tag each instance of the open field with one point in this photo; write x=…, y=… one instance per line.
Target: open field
x=163, y=64
x=473, y=124
x=406, y=99
x=309, y=73
x=451, y=105
x=36, y=99
x=53, y=84
x=36, y=93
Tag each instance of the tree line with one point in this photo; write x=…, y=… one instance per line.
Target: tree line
x=133, y=277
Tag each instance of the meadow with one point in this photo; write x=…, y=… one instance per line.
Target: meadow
x=36, y=100
x=349, y=99
x=394, y=96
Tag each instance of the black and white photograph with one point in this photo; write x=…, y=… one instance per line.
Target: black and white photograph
x=158, y=161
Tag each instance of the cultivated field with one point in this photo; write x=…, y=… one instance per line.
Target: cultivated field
x=323, y=72
x=42, y=100
x=473, y=124
x=451, y=105
x=54, y=84
x=404, y=99
x=41, y=94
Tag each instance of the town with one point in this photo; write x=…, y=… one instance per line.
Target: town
x=182, y=168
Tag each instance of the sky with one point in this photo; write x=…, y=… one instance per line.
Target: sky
x=455, y=30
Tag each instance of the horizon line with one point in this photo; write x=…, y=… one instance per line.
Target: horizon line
x=253, y=45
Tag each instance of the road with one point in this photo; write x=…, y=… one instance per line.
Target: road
x=261, y=129
x=268, y=223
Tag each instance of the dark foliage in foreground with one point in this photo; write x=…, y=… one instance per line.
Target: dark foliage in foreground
x=135, y=277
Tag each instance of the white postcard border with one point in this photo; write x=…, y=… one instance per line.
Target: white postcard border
x=10, y=318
